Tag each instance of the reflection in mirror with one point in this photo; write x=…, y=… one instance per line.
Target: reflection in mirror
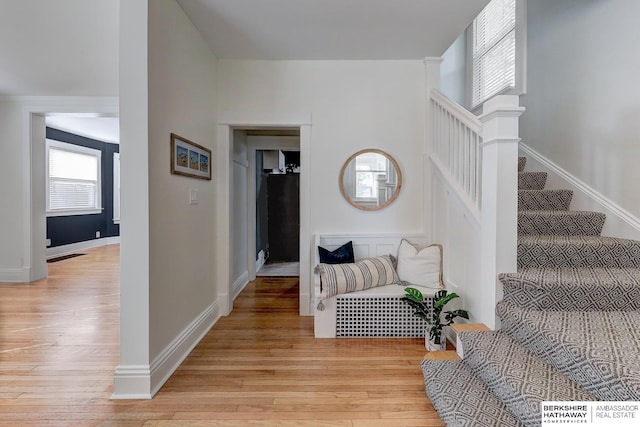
x=370, y=179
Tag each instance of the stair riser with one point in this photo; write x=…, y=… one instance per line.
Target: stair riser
x=532, y=180
x=571, y=298
x=544, y=200
x=594, y=366
x=560, y=223
x=522, y=161
x=551, y=254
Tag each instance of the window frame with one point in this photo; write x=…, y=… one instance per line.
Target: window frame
x=116, y=188
x=65, y=146
x=520, y=87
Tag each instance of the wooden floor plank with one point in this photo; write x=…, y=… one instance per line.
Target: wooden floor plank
x=260, y=366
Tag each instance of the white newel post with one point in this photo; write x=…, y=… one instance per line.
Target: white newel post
x=432, y=81
x=499, y=205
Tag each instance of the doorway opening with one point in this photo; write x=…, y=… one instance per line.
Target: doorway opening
x=240, y=137
x=277, y=213
x=82, y=182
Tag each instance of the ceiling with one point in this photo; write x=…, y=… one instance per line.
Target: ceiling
x=330, y=29
x=59, y=48
x=106, y=129
x=70, y=47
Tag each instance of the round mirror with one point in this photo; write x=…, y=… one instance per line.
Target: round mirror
x=370, y=179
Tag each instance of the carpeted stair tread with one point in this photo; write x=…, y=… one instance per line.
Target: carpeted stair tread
x=522, y=162
x=573, y=289
x=571, y=223
x=460, y=398
x=577, y=251
x=531, y=180
x=544, y=200
x=597, y=350
x=520, y=379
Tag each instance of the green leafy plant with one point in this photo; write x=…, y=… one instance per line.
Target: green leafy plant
x=433, y=317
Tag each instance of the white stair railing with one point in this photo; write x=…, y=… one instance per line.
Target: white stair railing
x=474, y=163
x=456, y=148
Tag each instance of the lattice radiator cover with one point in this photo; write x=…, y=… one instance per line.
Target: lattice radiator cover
x=377, y=316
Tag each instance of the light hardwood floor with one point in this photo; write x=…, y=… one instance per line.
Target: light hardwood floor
x=259, y=366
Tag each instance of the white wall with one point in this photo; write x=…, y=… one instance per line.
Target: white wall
x=182, y=98
x=12, y=215
x=239, y=271
x=453, y=74
x=168, y=296
x=582, y=101
x=354, y=105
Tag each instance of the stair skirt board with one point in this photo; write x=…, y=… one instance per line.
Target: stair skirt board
x=597, y=350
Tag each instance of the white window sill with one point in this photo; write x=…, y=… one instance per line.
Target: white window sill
x=74, y=212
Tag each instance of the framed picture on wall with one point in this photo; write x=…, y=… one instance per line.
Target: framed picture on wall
x=189, y=158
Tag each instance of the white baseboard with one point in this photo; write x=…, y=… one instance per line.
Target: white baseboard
x=132, y=382
x=260, y=260
x=630, y=224
x=57, y=251
x=239, y=284
x=143, y=382
x=14, y=275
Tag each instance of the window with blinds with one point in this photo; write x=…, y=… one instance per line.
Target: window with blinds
x=494, y=50
x=73, y=179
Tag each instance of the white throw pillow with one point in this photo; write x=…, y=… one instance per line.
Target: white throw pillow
x=420, y=267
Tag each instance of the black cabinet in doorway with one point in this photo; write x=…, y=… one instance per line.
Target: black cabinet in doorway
x=283, y=193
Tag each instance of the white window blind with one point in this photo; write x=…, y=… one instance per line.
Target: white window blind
x=494, y=50
x=73, y=178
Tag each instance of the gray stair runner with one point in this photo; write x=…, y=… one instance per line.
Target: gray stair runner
x=577, y=251
x=570, y=321
x=573, y=289
x=531, y=180
x=598, y=350
x=560, y=222
x=522, y=162
x=447, y=380
x=544, y=200
x=519, y=378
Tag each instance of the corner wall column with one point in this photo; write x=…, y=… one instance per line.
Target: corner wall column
x=432, y=81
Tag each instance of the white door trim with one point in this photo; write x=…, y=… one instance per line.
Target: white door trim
x=224, y=177
x=34, y=109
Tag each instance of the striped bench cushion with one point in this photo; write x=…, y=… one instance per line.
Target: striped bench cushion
x=364, y=274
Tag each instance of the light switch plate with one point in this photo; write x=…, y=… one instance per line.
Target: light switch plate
x=193, y=196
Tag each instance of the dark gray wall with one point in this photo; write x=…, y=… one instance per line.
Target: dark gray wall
x=262, y=231
x=64, y=230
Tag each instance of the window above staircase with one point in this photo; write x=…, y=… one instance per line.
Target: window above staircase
x=497, y=51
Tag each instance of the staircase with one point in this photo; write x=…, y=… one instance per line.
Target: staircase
x=570, y=321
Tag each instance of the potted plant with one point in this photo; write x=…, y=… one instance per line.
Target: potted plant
x=435, y=340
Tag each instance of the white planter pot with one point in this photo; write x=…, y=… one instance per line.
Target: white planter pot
x=431, y=346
